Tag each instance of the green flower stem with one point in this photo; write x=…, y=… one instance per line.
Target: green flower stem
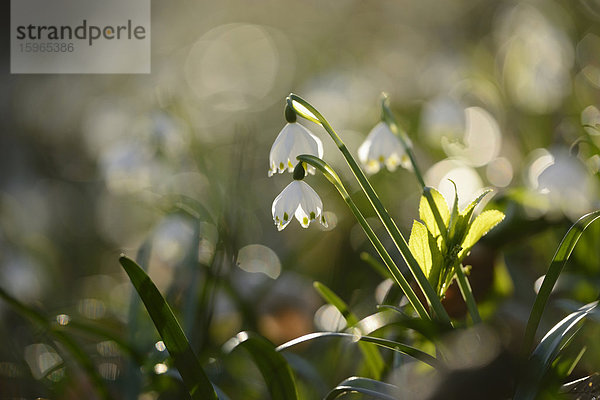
x=382, y=213
x=390, y=120
x=463, y=282
x=467, y=293
x=332, y=177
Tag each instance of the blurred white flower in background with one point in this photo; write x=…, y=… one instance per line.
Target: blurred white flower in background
x=345, y=96
x=382, y=148
x=257, y=258
x=293, y=140
x=237, y=66
x=443, y=116
x=591, y=116
x=567, y=184
x=468, y=182
x=481, y=141
x=499, y=172
x=536, y=56
x=300, y=200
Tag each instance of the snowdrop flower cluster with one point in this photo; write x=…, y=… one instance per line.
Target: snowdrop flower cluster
x=382, y=148
x=298, y=199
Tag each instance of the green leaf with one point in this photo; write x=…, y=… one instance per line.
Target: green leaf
x=565, y=363
x=454, y=214
x=365, y=386
x=429, y=329
x=463, y=221
x=389, y=344
x=425, y=249
x=372, y=356
x=426, y=214
x=437, y=261
x=480, y=226
x=272, y=365
x=548, y=349
x=330, y=297
x=558, y=261
x=468, y=211
x=418, y=243
x=186, y=362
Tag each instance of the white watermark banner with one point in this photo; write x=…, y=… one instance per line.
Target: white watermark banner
x=80, y=36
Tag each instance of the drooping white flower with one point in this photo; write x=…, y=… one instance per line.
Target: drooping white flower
x=293, y=140
x=300, y=200
x=382, y=147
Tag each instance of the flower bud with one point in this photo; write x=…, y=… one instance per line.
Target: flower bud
x=299, y=172
x=290, y=114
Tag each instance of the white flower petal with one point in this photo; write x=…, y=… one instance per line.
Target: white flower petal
x=285, y=205
x=301, y=201
x=311, y=205
x=382, y=147
x=293, y=140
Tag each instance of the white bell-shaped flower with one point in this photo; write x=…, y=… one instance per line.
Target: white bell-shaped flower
x=293, y=140
x=382, y=147
x=300, y=200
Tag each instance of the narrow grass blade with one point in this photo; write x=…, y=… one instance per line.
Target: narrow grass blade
x=558, y=262
x=273, y=366
x=186, y=362
x=365, y=386
x=131, y=383
x=389, y=344
x=548, y=349
x=329, y=296
x=371, y=354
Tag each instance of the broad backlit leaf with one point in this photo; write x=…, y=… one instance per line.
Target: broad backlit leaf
x=418, y=243
x=426, y=214
x=480, y=226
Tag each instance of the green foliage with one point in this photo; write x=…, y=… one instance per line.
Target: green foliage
x=559, y=260
x=426, y=212
x=372, y=357
x=273, y=367
x=481, y=225
x=425, y=248
x=355, y=337
x=548, y=349
x=365, y=386
x=445, y=238
x=194, y=377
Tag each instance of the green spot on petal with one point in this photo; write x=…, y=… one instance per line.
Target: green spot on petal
x=312, y=215
x=281, y=166
x=305, y=220
x=285, y=216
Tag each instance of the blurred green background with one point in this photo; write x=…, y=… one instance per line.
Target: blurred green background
x=493, y=94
